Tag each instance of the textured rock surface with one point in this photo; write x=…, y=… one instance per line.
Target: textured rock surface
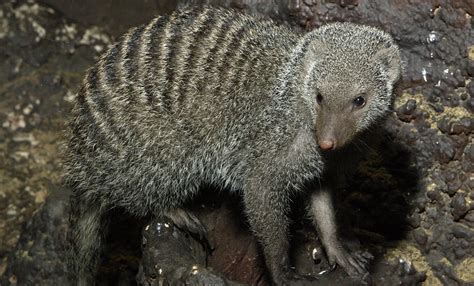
x=411, y=203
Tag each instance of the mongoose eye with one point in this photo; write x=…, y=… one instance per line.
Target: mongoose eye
x=319, y=98
x=359, y=102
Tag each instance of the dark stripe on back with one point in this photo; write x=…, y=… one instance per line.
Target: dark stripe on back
x=247, y=57
x=156, y=33
x=94, y=93
x=223, y=69
x=130, y=66
x=110, y=69
x=201, y=80
x=100, y=100
x=87, y=123
x=197, y=38
x=177, y=34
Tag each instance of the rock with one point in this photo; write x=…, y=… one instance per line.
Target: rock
x=461, y=231
x=414, y=220
x=444, y=149
x=172, y=257
x=459, y=206
x=42, y=249
x=456, y=126
x=406, y=112
x=420, y=237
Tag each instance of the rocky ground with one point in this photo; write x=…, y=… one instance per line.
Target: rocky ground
x=411, y=203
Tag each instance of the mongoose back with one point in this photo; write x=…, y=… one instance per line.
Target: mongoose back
x=219, y=97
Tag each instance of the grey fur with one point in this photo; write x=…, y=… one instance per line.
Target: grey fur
x=215, y=96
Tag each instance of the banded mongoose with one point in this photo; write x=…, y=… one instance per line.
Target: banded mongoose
x=212, y=96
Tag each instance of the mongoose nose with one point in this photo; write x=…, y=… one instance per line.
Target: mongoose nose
x=328, y=144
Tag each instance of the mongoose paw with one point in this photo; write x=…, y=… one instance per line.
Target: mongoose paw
x=292, y=278
x=188, y=222
x=355, y=264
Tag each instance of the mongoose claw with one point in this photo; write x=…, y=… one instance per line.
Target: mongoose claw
x=355, y=264
x=329, y=270
x=188, y=222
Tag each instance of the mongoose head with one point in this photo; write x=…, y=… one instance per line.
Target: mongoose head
x=348, y=76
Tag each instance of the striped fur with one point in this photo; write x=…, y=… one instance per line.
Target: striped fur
x=206, y=96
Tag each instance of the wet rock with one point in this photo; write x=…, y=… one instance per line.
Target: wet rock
x=172, y=257
x=420, y=237
x=459, y=206
x=453, y=177
x=434, y=196
x=468, y=159
x=409, y=274
x=469, y=218
x=461, y=231
x=400, y=272
x=414, y=220
x=420, y=204
x=42, y=248
x=406, y=112
x=444, y=149
x=456, y=126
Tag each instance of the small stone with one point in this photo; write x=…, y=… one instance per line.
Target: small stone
x=98, y=48
x=469, y=217
x=449, y=175
x=19, y=156
x=460, y=231
x=444, y=149
x=434, y=196
x=27, y=110
x=11, y=212
x=459, y=206
x=468, y=124
x=432, y=213
x=414, y=220
x=460, y=252
x=410, y=106
x=420, y=237
x=420, y=204
x=40, y=197
x=406, y=112
x=14, y=122
x=443, y=125
x=25, y=137
x=454, y=126
x=453, y=187
x=438, y=107
x=469, y=152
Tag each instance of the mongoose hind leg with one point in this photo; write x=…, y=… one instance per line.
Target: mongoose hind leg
x=185, y=220
x=355, y=264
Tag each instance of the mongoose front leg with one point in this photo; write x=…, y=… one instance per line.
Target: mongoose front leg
x=355, y=264
x=267, y=209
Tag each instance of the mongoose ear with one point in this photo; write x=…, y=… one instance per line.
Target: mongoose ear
x=388, y=58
